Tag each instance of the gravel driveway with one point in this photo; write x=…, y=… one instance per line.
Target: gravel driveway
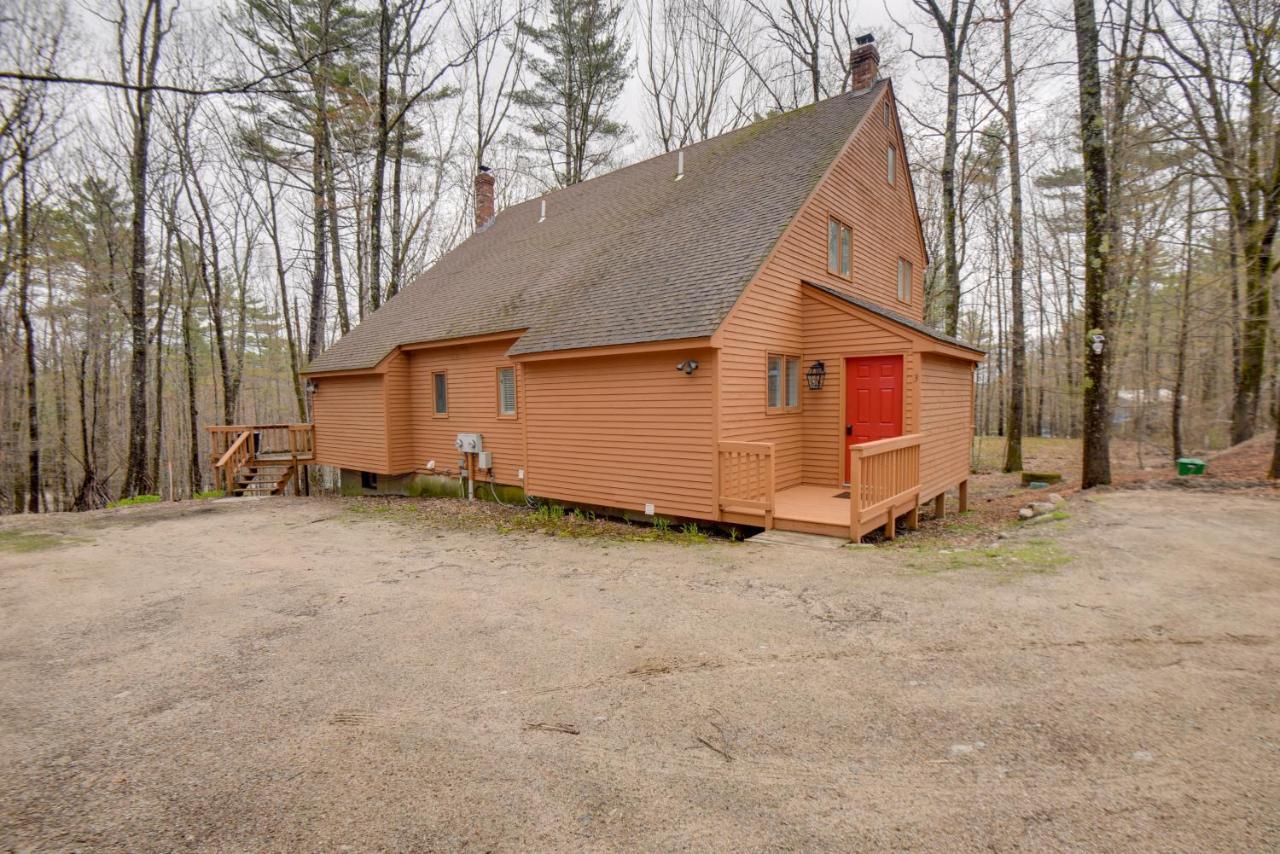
x=284, y=674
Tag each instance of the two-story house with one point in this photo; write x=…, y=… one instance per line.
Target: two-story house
x=731, y=332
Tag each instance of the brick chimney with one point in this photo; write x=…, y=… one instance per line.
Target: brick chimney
x=484, y=197
x=864, y=64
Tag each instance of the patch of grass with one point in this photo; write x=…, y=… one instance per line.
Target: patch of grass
x=551, y=519
x=1009, y=558
x=23, y=541
x=208, y=493
x=137, y=499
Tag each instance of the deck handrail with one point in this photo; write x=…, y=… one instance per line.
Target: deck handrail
x=747, y=478
x=884, y=481
x=229, y=464
x=237, y=446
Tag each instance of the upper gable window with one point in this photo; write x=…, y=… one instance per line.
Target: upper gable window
x=884, y=114
x=839, y=248
x=904, y=280
x=892, y=164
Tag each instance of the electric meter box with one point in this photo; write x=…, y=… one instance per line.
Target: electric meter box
x=469, y=443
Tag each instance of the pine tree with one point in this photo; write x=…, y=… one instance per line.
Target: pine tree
x=576, y=83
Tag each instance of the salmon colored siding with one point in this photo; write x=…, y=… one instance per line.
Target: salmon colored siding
x=472, y=395
x=947, y=420
x=832, y=335
x=769, y=317
x=350, y=423
x=623, y=431
x=399, y=398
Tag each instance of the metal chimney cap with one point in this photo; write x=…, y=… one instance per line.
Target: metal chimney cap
x=485, y=169
x=867, y=38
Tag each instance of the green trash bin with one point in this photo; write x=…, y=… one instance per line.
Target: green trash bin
x=1190, y=465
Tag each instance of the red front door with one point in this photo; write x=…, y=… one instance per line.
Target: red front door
x=872, y=401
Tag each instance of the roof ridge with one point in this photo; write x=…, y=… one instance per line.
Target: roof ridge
x=754, y=127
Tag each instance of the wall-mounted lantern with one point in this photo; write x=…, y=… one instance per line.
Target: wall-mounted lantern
x=815, y=375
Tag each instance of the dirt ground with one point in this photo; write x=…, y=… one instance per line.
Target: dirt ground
x=292, y=674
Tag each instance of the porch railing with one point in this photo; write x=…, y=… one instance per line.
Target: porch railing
x=884, y=483
x=235, y=446
x=746, y=478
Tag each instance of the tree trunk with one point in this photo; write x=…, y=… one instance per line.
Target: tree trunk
x=28, y=337
x=150, y=35
x=1018, y=331
x=379, y=157
x=1184, y=326
x=1096, y=462
x=335, y=246
x=194, y=474
x=319, y=136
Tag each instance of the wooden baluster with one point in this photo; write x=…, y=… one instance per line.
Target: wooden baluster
x=769, y=490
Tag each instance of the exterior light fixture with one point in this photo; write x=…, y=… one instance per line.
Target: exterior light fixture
x=688, y=366
x=815, y=375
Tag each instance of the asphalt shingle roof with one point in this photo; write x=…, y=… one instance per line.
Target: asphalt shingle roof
x=632, y=256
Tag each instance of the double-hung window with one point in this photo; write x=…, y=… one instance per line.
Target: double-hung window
x=783, y=382
x=507, y=392
x=839, y=248
x=904, y=280
x=891, y=165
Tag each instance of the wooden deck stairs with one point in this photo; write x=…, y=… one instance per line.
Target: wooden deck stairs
x=266, y=479
x=260, y=459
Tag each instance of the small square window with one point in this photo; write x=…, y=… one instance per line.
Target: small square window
x=368, y=480
x=839, y=248
x=892, y=164
x=783, y=382
x=440, y=393
x=506, y=391
x=904, y=280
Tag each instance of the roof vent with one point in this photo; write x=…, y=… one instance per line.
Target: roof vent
x=542, y=211
x=679, y=164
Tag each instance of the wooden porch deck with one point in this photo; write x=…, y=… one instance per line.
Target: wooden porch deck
x=813, y=509
x=885, y=487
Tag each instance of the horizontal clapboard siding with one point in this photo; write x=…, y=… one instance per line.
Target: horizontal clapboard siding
x=350, y=423
x=472, y=394
x=947, y=421
x=770, y=315
x=623, y=431
x=832, y=335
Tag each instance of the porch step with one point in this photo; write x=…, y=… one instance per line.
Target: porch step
x=780, y=537
x=270, y=479
x=811, y=527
